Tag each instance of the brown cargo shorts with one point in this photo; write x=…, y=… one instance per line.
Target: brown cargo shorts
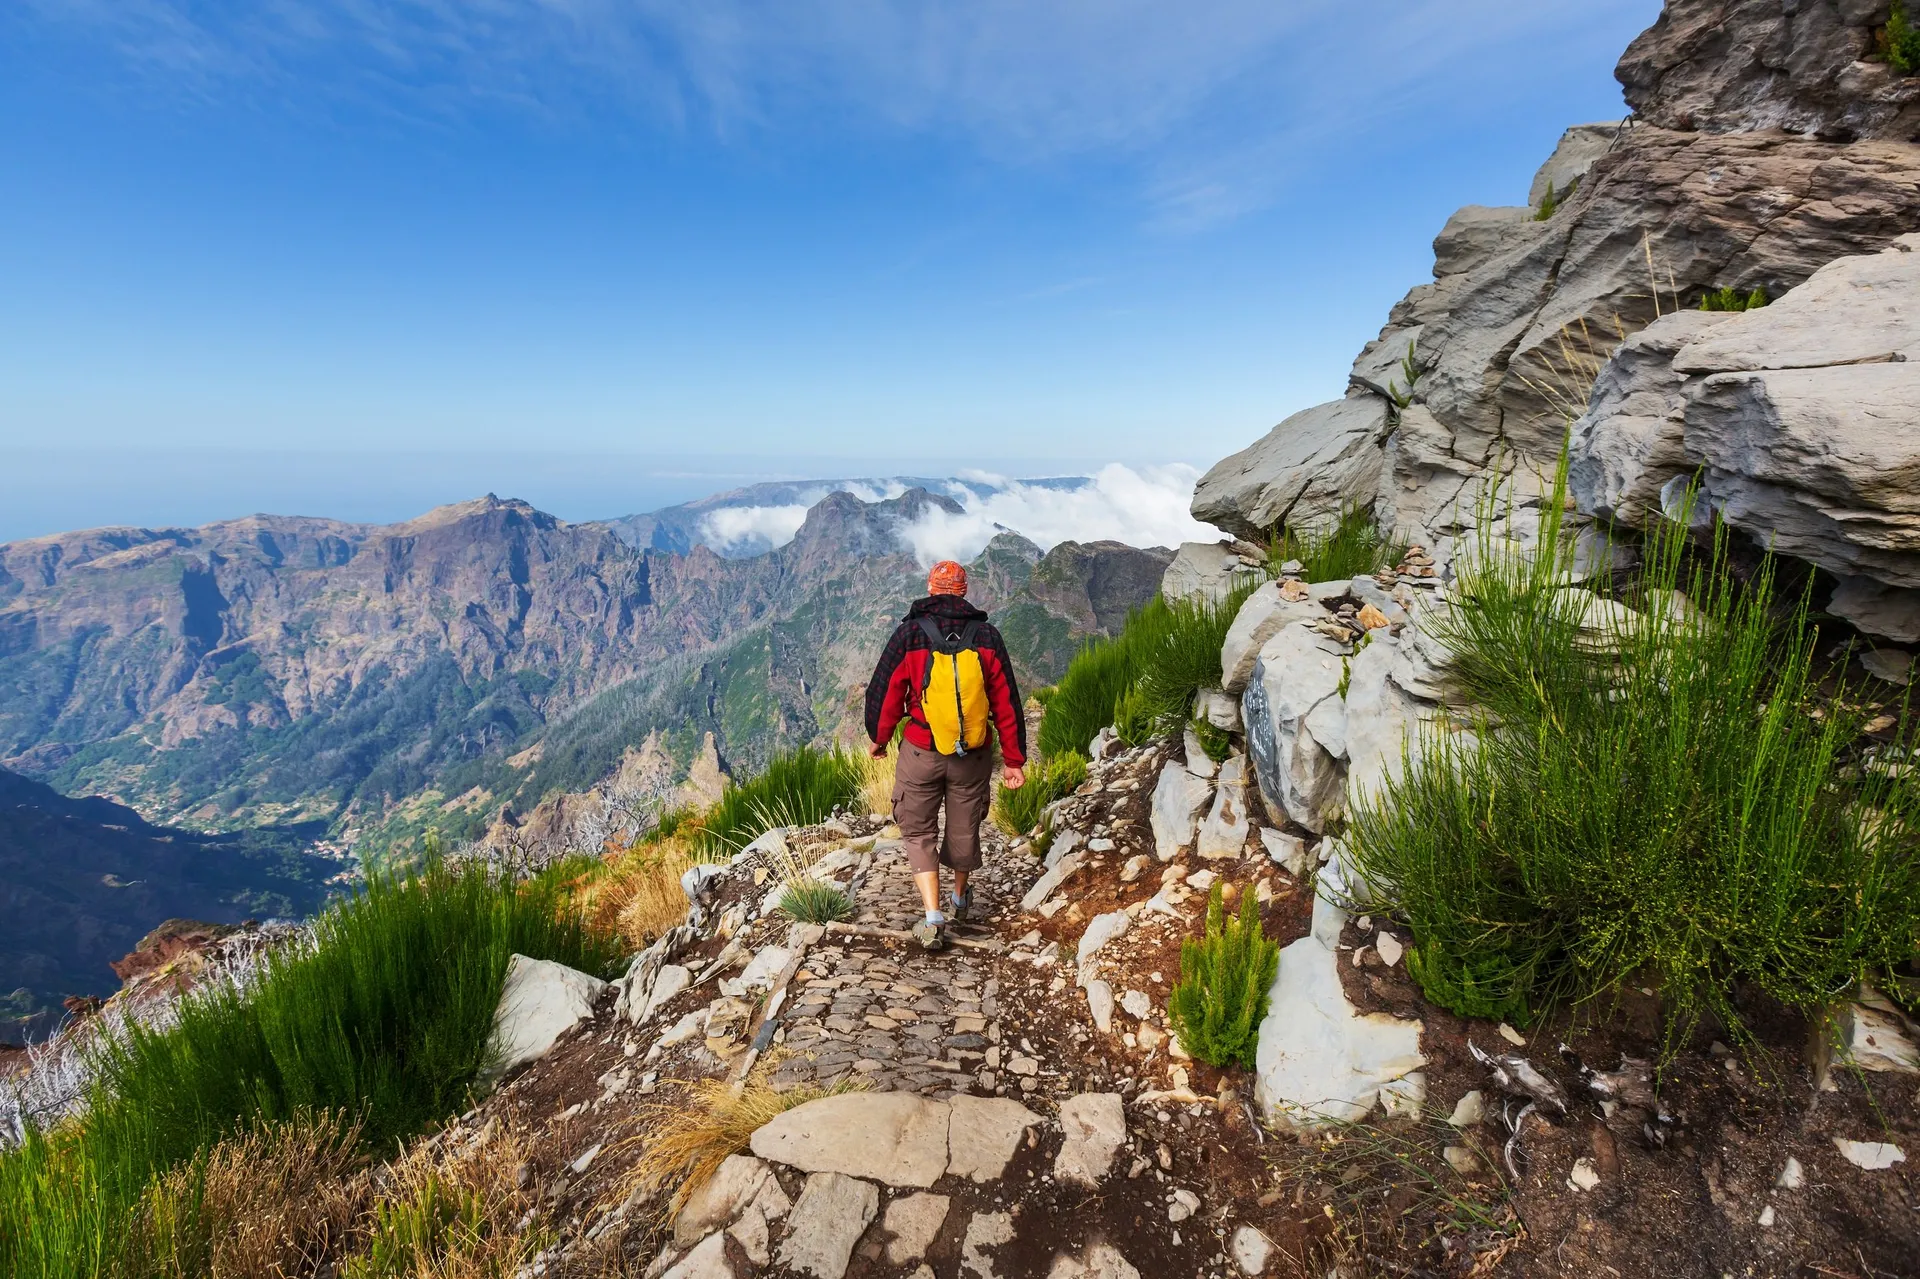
x=924, y=781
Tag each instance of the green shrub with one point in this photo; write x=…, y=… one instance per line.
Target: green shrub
x=813, y=901
x=1216, y=742
x=1018, y=811
x=1217, y=1004
x=386, y=1016
x=1900, y=41
x=799, y=788
x=1353, y=547
x=1689, y=808
x=1550, y=202
x=1726, y=298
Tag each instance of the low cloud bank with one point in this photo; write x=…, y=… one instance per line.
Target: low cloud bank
x=1145, y=506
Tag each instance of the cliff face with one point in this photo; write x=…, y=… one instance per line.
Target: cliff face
x=297, y=669
x=1763, y=149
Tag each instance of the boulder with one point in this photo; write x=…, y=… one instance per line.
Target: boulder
x=539, y=1002
x=1725, y=67
x=1383, y=719
x=1096, y=1128
x=708, y=1261
x=1178, y=800
x=984, y=1134
x=892, y=1137
x=1224, y=833
x=1200, y=570
x=1474, y=234
x=1198, y=762
x=1297, y=670
x=1302, y=473
x=832, y=1213
x=740, y=1182
x=1218, y=708
x=1579, y=147
x=1258, y=621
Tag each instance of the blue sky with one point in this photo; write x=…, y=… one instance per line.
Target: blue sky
x=718, y=239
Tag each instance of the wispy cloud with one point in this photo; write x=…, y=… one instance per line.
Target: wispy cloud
x=1207, y=98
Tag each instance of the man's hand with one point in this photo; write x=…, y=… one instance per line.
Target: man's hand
x=1013, y=777
x=878, y=750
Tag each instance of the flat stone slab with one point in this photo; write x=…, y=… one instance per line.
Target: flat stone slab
x=983, y=1135
x=831, y=1215
x=1096, y=1128
x=893, y=1137
x=913, y=1222
x=741, y=1181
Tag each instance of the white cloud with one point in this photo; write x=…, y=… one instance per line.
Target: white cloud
x=1144, y=507
x=751, y=528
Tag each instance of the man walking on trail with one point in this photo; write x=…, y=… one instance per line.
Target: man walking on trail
x=945, y=671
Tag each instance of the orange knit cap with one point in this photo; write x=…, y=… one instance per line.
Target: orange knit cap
x=947, y=578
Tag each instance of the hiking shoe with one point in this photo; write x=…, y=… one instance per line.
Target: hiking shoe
x=930, y=935
x=958, y=906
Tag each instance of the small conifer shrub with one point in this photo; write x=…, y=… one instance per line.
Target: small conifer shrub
x=1217, y=1005
x=1731, y=299
x=1900, y=41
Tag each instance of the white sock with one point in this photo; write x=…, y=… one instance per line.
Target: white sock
x=936, y=917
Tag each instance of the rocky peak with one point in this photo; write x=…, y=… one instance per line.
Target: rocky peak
x=841, y=524
x=1804, y=66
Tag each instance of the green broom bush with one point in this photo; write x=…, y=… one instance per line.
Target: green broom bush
x=1218, y=1003
x=1017, y=812
x=798, y=788
x=1682, y=803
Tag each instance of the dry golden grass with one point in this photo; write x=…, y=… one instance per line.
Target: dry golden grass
x=687, y=1137
x=280, y=1201
x=453, y=1213
x=876, y=784
x=637, y=893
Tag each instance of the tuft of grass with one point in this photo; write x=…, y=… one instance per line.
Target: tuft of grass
x=1141, y=681
x=1017, y=812
x=1353, y=546
x=876, y=780
x=1221, y=997
x=451, y=1216
x=1673, y=795
x=1727, y=298
x=386, y=1014
x=686, y=1138
x=799, y=788
x=813, y=901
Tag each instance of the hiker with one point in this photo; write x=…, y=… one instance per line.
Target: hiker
x=946, y=673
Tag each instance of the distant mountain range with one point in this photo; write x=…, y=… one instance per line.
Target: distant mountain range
x=381, y=680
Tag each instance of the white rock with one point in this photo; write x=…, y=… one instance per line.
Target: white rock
x=1200, y=570
x=739, y=1182
x=708, y=1261
x=1874, y=1156
x=831, y=1215
x=1199, y=763
x=751, y=1233
x=1178, y=800
x=1318, y=1058
x=914, y=1223
x=1135, y=867
x=1220, y=708
x=1258, y=621
x=1044, y=887
x=1878, y=1038
x=1201, y=880
x=984, y=1134
x=1224, y=833
x=765, y=967
x=1390, y=948
x=1251, y=1251
x=1298, y=669
x=1404, y=1096
x=1579, y=147
x=689, y=1026
x=1100, y=1005
x=1511, y=1035
x=1462, y=1160
x=1767, y=1216
x=986, y=1230
x=1303, y=472
x=1096, y=1127
x=1101, y=929
x=1181, y=1204
x=1471, y=1109
x=1584, y=1176
x=1065, y=840
x=1889, y=664
x=1383, y=718
x=1100, y=1261
x=893, y=1137
x=539, y=1002
x=1792, y=1176
x=673, y=979
x=1289, y=852
x=1137, y=1003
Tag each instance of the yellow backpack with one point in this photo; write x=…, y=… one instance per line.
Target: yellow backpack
x=953, y=698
